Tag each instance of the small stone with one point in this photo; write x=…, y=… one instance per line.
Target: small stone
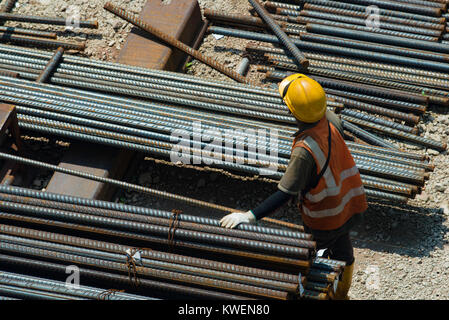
x=423, y=196
x=111, y=43
x=117, y=25
x=433, y=152
x=440, y=187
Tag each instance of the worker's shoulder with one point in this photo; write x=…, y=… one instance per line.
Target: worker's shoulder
x=335, y=120
x=301, y=154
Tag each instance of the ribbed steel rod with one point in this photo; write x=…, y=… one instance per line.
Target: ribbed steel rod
x=373, y=37
x=41, y=42
x=25, y=293
x=45, y=20
x=437, y=145
x=117, y=183
x=368, y=166
x=146, y=271
x=162, y=231
x=51, y=66
x=419, y=81
x=28, y=32
x=400, y=185
x=119, y=280
x=402, y=105
x=341, y=49
x=403, y=7
x=364, y=92
x=24, y=192
x=317, y=57
x=149, y=254
x=385, y=151
x=382, y=11
x=277, y=261
x=343, y=12
x=283, y=38
x=403, y=33
x=174, y=42
x=381, y=121
x=434, y=96
x=120, y=257
x=164, y=221
x=350, y=103
x=362, y=22
x=420, y=164
x=246, y=20
x=371, y=138
x=428, y=57
x=207, y=85
x=376, y=194
x=41, y=284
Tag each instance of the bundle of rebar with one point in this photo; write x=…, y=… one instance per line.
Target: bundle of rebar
x=21, y=286
x=385, y=76
x=247, y=262
x=177, y=103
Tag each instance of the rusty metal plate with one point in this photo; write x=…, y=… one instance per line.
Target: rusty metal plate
x=95, y=159
x=178, y=18
x=8, y=121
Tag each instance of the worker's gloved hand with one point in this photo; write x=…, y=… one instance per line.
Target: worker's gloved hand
x=234, y=219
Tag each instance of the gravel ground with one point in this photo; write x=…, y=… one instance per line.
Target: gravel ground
x=402, y=252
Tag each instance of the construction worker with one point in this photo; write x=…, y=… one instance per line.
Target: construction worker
x=321, y=173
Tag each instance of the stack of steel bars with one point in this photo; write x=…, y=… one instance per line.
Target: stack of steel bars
x=21, y=286
x=177, y=108
x=386, y=76
x=157, y=253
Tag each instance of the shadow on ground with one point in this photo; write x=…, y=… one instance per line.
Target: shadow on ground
x=401, y=229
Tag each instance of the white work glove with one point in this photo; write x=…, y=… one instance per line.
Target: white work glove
x=234, y=219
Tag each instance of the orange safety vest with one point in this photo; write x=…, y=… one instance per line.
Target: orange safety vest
x=339, y=193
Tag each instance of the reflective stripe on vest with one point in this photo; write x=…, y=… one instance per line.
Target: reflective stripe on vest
x=328, y=177
x=335, y=211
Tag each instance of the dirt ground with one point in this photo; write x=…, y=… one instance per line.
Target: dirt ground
x=402, y=251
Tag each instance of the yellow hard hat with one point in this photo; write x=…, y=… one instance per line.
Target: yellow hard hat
x=304, y=97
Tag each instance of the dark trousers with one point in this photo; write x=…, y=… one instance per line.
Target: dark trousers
x=338, y=247
x=337, y=242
